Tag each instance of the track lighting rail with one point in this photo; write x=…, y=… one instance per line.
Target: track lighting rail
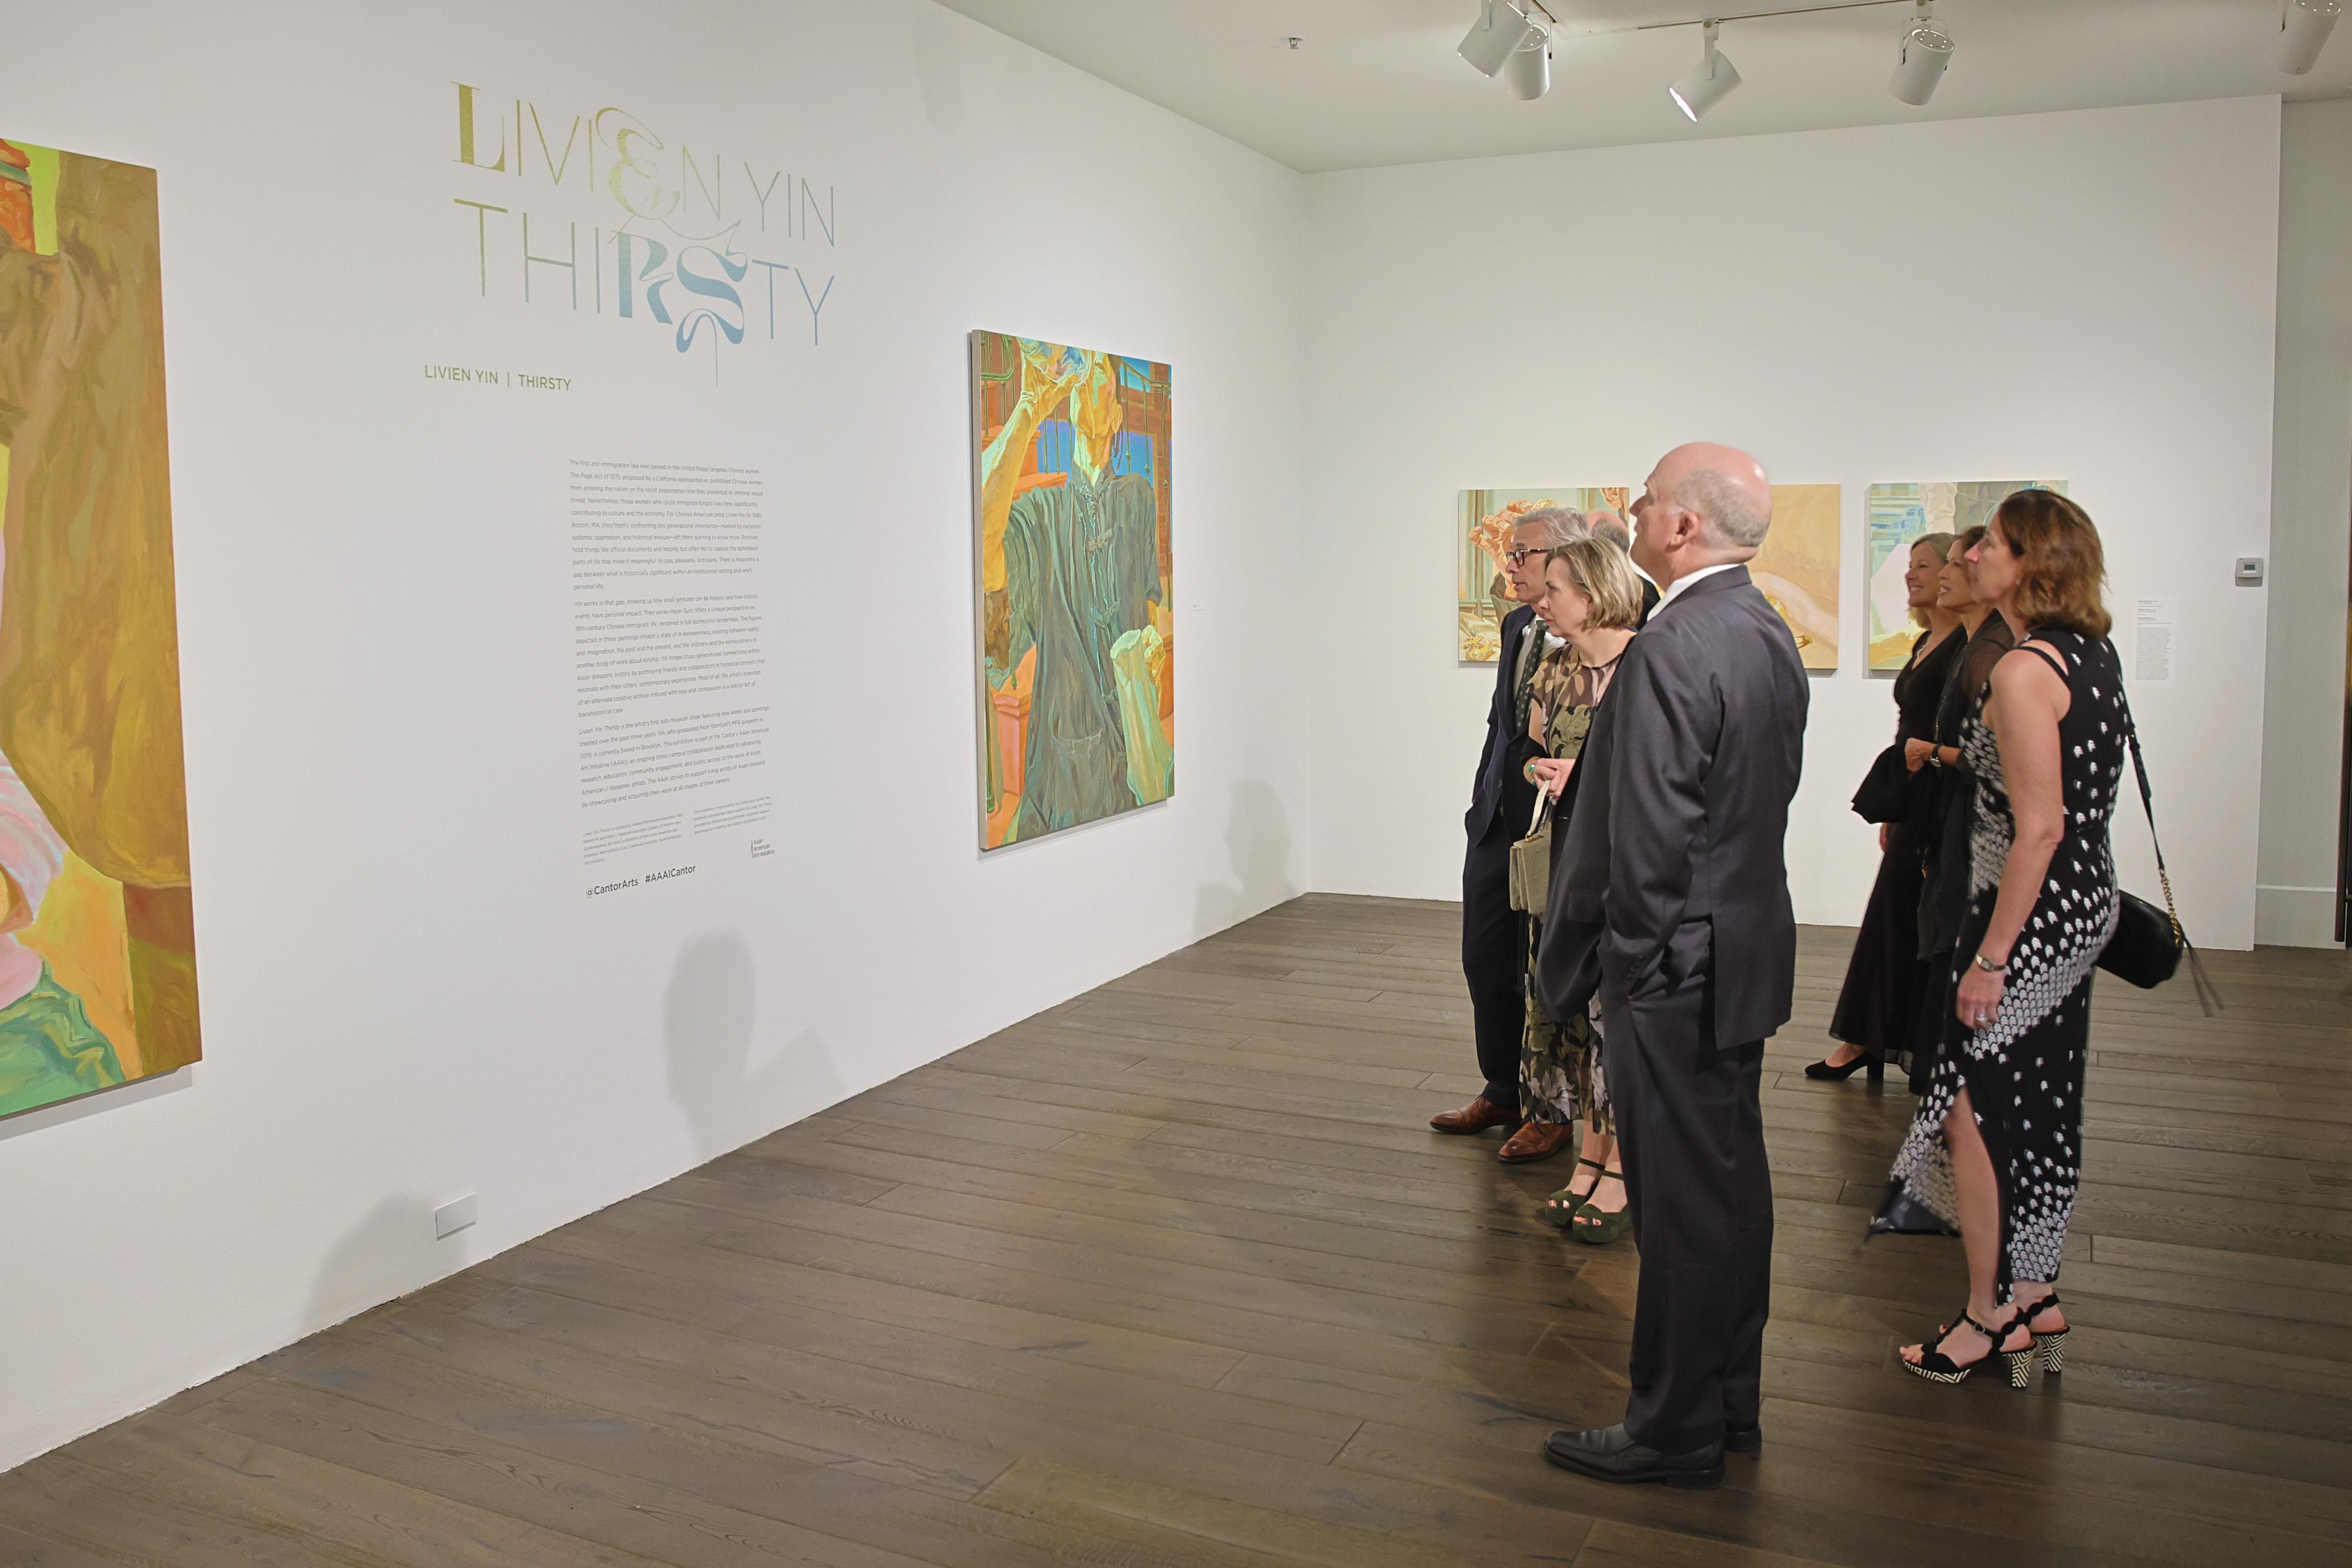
x=1507, y=41
x=1570, y=29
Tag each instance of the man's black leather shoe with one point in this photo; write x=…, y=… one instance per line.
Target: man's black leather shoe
x=1743, y=1439
x=1607, y=1453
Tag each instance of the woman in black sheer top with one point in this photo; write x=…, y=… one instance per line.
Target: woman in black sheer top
x=1878, y=1008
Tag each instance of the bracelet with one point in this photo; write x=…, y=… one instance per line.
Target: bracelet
x=1988, y=966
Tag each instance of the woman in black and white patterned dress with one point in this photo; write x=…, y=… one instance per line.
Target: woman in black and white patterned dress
x=1996, y=1148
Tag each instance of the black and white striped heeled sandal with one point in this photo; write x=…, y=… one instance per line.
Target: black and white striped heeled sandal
x=1937, y=1367
x=2050, y=1347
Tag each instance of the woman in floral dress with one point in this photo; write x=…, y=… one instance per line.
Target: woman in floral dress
x=1593, y=599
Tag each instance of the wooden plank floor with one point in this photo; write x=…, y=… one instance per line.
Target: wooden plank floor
x=1175, y=1275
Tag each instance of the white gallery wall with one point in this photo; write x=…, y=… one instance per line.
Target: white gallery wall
x=408, y=993
x=2082, y=296
x=2311, y=532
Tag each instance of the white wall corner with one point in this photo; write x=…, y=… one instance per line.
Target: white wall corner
x=2294, y=916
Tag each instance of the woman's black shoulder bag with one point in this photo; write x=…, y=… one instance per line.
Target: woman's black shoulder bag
x=1885, y=792
x=2149, y=943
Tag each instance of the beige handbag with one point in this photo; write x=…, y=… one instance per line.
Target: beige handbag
x=1531, y=865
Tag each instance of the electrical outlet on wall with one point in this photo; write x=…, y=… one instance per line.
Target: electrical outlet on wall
x=454, y=1215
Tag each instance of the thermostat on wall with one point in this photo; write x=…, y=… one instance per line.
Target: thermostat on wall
x=2250, y=571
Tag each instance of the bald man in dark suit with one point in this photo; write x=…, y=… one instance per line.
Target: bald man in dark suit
x=1671, y=900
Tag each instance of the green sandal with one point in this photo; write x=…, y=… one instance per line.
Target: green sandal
x=1560, y=1208
x=1595, y=1229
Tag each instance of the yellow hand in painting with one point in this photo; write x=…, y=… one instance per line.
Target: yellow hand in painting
x=1047, y=378
x=1047, y=373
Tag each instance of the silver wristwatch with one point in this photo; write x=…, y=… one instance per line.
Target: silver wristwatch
x=1988, y=966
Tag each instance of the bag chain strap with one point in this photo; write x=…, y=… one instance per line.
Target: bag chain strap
x=2147, y=804
x=2209, y=995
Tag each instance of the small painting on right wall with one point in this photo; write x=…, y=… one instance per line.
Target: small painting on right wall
x=1899, y=517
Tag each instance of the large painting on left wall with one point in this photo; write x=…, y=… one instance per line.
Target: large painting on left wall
x=1077, y=683
x=97, y=964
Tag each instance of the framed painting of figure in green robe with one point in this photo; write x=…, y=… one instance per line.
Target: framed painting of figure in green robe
x=1078, y=649
x=98, y=967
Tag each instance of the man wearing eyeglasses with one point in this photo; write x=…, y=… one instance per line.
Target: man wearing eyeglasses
x=1502, y=809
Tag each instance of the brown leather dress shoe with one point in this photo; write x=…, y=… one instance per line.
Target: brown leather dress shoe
x=1534, y=1140
x=1476, y=1117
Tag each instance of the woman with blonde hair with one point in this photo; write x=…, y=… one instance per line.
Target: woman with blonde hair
x=1878, y=1006
x=1996, y=1148
x=1951, y=791
x=1592, y=600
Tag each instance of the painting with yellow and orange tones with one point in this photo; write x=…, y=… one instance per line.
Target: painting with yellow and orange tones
x=1798, y=569
x=1078, y=699
x=1483, y=522
x=98, y=968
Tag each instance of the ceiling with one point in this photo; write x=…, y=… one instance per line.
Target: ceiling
x=1376, y=82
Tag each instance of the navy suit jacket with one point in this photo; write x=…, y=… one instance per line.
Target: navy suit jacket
x=1675, y=874
x=1501, y=792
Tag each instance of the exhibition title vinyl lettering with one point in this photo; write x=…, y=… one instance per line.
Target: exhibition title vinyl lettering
x=712, y=249
x=703, y=250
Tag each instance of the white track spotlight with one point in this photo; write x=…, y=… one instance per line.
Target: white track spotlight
x=1529, y=76
x=1708, y=83
x=1926, y=50
x=1500, y=31
x=2304, y=27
